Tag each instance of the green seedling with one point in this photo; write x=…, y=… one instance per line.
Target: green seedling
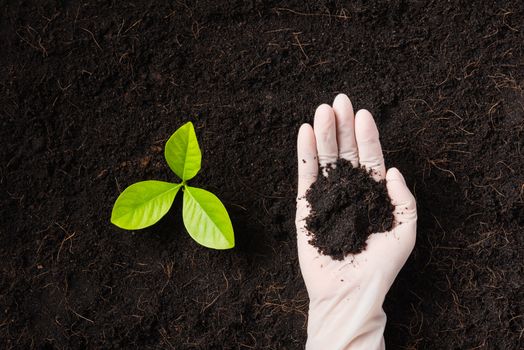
x=144, y=203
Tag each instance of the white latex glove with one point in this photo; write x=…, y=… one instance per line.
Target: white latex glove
x=345, y=308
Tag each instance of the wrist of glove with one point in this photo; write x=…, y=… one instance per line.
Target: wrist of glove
x=348, y=320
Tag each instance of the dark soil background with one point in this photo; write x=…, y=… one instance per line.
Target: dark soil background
x=89, y=93
x=347, y=206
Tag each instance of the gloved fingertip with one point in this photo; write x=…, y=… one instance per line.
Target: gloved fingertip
x=394, y=174
x=399, y=192
x=305, y=126
x=305, y=138
x=341, y=99
x=324, y=109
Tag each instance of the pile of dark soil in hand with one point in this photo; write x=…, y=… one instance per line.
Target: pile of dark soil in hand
x=347, y=206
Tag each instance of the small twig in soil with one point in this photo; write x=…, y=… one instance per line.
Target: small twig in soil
x=279, y=30
x=432, y=162
x=238, y=205
x=295, y=35
x=92, y=36
x=40, y=47
x=133, y=25
x=267, y=61
x=82, y=317
x=196, y=28
x=163, y=333
x=341, y=16
x=504, y=13
x=218, y=296
x=168, y=271
x=118, y=186
x=66, y=238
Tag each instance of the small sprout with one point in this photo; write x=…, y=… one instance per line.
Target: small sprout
x=144, y=203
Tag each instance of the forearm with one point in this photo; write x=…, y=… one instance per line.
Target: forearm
x=353, y=320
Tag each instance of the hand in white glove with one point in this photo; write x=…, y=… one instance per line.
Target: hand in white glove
x=345, y=308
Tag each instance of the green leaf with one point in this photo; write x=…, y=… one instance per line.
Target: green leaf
x=183, y=153
x=143, y=203
x=206, y=219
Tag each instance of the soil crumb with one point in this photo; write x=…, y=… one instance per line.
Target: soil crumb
x=346, y=207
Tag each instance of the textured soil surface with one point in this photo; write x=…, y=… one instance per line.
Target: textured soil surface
x=346, y=207
x=90, y=92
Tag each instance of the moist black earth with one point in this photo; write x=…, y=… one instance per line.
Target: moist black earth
x=347, y=205
x=90, y=92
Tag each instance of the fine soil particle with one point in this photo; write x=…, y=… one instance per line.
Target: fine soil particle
x=347, y=206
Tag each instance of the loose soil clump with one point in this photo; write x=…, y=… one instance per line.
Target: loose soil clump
x=347, y=206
